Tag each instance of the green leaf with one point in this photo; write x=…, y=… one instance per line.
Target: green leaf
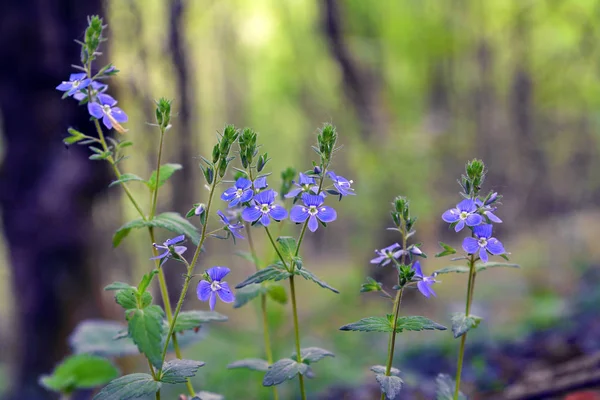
x=255, y=364
x=118, y=286
x=177, y=371
x=306, y=274
x=277, y=293
x=146, y=281
x=146, y=330
x=73, y=139
x=369, y=324
x=124, y=230
x=145, y=299
x=483, y=266
x=417, y=323
x=130, y=386
x=445, y=386
x=270, y=273
x=247, y=294
x=174, y=222
x=80, y=371
x=370, y=286
x=204, y=395
x=287, y=245
x=313, y=354
x=188, y=320
x=283, y=370
x=97, y=337
x=448, y=250
x=380, y=369
x=461, y=323
x=248, y=257
x=166, y=171
x=390, y=385
x=126, y=178
x=127, y=298
x=460, y=269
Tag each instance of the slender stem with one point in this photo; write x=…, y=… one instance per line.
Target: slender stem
x=251, y=245
x=297, y=334
x=158, y=394
x=151, y=369
x=158, y=160
x=463, y=339
x=276, y=248
x=392, y=339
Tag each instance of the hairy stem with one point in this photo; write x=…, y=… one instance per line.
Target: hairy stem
x=297, y=335
x=463, y=339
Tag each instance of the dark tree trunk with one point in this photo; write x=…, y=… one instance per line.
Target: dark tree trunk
x=46, y=191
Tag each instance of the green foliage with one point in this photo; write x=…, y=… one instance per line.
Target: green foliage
x=177, y=371
x=75, y=136
x=255, y=364
x=483, y=266
x=171, y=221
x=127, y=298
x=247, y=294
x=192, y=319
x=445, y=388
x=312, y=354
x=163, y=113
x=381, y=324
x=146, y=281
x=460, y=269
x=124, y=230
x=417, y=323
x=462, y=323
x=146, y=329
x=370, y=286
x=277, y=293
x=273, y=272
x=369, y=324
x=127, y=178
x=166, y=171
x=448, y=250
x=287, y=246
x=283, y=370
x=80, y=371
x=309, y=276
x=130, y=386
x=380, y=369
x=390, y=385
x=118, y=286
x=98, y=337
x=204, y=395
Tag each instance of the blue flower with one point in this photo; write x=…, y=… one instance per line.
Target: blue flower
x=229, y=227
x=341, y=184
x=312, y=209
x=464, y=213
x=425, y=282
x=264, y=208
x=387, y=254
x=96, y=86
x=487, y=210
x=200, y=209
x=260, y=183
x=170, y=248
x=241, y=192
x=484, y=242
x=75, y=83
x=105, y=109
x=214, y=286
x=305, y=184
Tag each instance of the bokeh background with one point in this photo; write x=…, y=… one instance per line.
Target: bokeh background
x=415, y=89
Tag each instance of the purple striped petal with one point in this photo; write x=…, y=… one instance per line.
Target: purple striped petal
x=203, y=290
x=218, y=273
x=467, y=205
x=313, y=224
x=213, y=300
x=483, y=254
x=417, y=268
x=225, y=293
x=251, y=214
x=293, y=193
x=118, y=114
x=451, y=215
x=474, y=219
x=278, y=213
x=483, y=231
x=470, y=245
x=298, y=214
x=326, y=214
x=95, y=110
x=246, y=195
x=495, y=247
x=265, y=220
x=458, y=227
x=493, y=217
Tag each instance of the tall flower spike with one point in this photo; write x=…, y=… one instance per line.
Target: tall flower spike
x=264, y=208
x=241, y=192
x=483, y=242
x=425, y=282
x=312, y=210
x=208, y=290
x=464, y=213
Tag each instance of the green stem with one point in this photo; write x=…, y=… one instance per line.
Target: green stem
x=297, y=334
x=276, y=248
x=463, y=339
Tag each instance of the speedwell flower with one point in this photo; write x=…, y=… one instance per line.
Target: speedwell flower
x=425, y=282
x=169, y=246
x=260, y=183
x=105, y=109
x=305, y=184
x=487, y=210
x=95, y=86
x=264, y=208
x=229, y=227
x=241, y=192
x=312, y=209
x=342, y=184
x=464, y=213
x=387, y=254
x=75, y=83
x=213, y=286
x=484, y=242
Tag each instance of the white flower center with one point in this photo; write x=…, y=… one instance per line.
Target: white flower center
x=482, y=242
x=312, y=210
x=464, y=215
x=215, y=286
x=107, y=110
x=238, y=193
x=76, y=83
x=264, y=208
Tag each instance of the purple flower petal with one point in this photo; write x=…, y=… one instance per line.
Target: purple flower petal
x=423, y=288
x=312, y=199
x=483, y=254
x=326, y=214
x=234, y=202
x=417, y=268
x=305, y=179
x=495, y=247
x=451, y=215
x=77, y=76
x=95, y=110
x=293, y=193
x=474, y=219
x=203, y=290
x=470, y=245
x=229, y=194
x=378, y=260
x=118, y=114
x=180, y=249
x=65, y=86
x=213, y=300
x=225, y=293
x=246, y=195
x=431, y=291
x=278, y=213
x=265, y=197
x=467, y=205
x=493, y=217
x=265, y=220
x=483, y=231
x=298, y=214
x=251, y=214
x=458, y=227
x=107, y=122
x=224, y=219
x=161, y=256
x=260, y=183
x=243, y=183
x=218, y=273
x=313, y=224
x=105, y=99
x=175, y=240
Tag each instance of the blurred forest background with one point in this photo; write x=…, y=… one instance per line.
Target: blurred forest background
x=415, y=89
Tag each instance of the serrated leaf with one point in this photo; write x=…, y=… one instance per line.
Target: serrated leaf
x=287, y=245
x=177, y=371
x=270, y=273
x=448, y=250
x=313, y=354
x=460, y=269
x=118, y=286
x=283, y=370
x=124, y=230
x=483, y=266
x=390, y=385
x=145, y=299
x=126, y=178
x=417, y=323
x=130, y=386
x=309, y=276
x=277, y=293
x=146, y=330
x=174, y=222
x=461, y=323
x=146, y=281
x=369, y=324
x=247, y=294
x=255, y=364
x=126, y=298
x=192, y=319
x=445, y=386
x=380, y=369
x=370, y=286
x=80, y=371
x=166, y=171
x=97, y=337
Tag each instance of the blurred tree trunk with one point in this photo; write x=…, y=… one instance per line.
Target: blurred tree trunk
x=46, y=191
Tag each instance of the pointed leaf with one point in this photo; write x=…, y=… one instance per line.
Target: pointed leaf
x=461, y=323
x=313, y=354
x=192, y=319
x=177, y=371
x=80, y=371
x=247, y=294
x=118, y=286
x=123, y=231
x=146, y=330
x=445, y=386
x=483, y=266
x=146, y=281
x=271, y=273
x=390, y=385
x=448, y=250
x=166, y=171
x=461, y=269
x=369, y=324
x=97, y=337
x=380, y=369
x=283, y=370
x=174, y=222
x=417, y=323
x=255, y=364
x=126, y=178
x=130, y=386
x=309, y=276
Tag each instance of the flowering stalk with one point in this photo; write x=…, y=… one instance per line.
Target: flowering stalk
x=463, y=339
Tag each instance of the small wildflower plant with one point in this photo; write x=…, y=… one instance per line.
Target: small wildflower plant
x=402, y=258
